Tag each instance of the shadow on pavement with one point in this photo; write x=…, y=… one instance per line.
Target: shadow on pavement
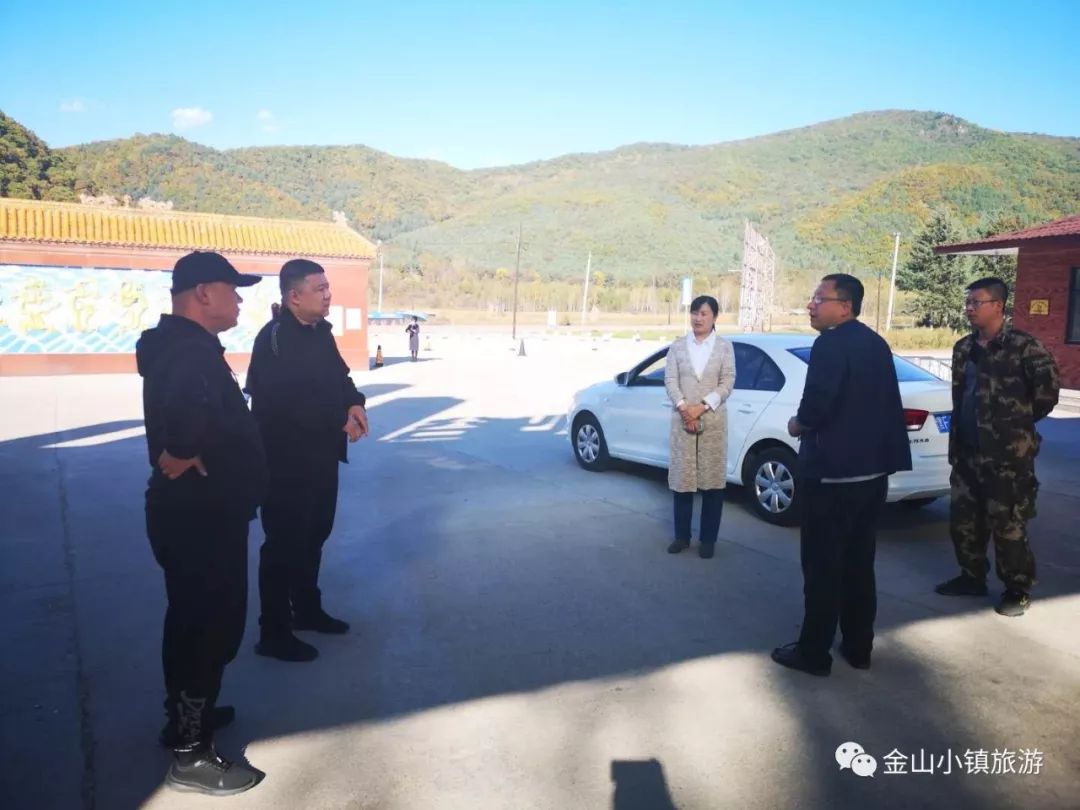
x=640, y=785
x=396, y=360
x=475, y=560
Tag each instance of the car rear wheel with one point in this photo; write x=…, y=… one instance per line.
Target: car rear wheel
x=770, y=481
x=590, y=448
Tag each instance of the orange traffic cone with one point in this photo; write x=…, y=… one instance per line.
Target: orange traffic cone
x=378, y=357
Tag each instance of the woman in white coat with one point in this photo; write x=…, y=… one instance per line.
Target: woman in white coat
x=699, y=376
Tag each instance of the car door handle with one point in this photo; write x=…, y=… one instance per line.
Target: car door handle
x=747, y=409
x=665, y=405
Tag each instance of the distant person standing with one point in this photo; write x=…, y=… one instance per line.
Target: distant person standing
x=699, y=376
x=1003, y=382
x=413, y=331
x=208, y=477
x=307, y=409
x=851, y=426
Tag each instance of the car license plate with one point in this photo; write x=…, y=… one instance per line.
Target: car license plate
x=944, y=422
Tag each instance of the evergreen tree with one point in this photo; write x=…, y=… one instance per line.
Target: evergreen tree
x=937, y=281
x=1003, y=267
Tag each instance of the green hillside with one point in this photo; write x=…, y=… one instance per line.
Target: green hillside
x=828, y=196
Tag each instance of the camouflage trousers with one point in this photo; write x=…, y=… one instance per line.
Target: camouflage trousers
x=990, y=500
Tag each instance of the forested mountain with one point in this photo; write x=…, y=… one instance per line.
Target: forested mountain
x=828, y=196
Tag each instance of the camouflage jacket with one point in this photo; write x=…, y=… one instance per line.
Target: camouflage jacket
x=1018, y=385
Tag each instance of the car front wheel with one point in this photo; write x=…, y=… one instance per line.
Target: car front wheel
x=771, y=484
x=590, y=448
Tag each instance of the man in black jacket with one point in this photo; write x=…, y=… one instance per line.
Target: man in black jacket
x=208, y=477
x=851, y=426
x=307, y=408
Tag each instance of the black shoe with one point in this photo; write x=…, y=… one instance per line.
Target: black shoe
x=962, y=585
x=321, y=622
x=677, y=546
x=285, y=647
x=1013, y=603
x=792, y=657
x=857, y=661
x=200, y=769
x=706, y=550
x=223, y=715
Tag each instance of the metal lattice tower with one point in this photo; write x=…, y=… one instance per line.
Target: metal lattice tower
x=758, y=282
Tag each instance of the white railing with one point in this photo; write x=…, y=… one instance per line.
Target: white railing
x=940, y=367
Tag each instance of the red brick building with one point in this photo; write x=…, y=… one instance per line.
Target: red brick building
x=79, y=283
x=1046, y=301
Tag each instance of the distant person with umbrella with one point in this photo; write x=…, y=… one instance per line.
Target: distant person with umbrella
x=413, y=331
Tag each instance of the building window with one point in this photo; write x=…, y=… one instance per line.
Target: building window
x=1072, y=331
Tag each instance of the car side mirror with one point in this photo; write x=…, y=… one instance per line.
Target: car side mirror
x=622, y=377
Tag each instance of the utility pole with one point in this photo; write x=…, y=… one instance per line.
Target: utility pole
x=517, y=271
x=379, y=245
x=585, y=297
x=892, y=284
x=877, y=317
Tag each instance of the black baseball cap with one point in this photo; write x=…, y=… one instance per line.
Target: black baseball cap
x=205, y=267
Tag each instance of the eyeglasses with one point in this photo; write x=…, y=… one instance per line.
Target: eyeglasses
x=975, y=303
x=817, y=300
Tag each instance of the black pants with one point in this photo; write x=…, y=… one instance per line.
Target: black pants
x=297, y=518
x=839, y=535
x=712, y=508
x=204, y=556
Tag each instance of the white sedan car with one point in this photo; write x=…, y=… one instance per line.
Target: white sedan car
x=629, y=418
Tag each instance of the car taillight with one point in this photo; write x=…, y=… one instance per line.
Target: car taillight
x=915, y=419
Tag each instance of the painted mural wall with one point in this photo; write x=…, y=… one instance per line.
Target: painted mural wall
x=86, y=310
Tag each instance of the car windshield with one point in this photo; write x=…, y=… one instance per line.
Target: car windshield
x=905, y=371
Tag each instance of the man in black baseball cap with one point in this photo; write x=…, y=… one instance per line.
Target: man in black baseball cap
x=207, y=268
x=208, y=475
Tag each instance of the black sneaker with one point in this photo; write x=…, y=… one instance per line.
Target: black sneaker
x=792, y=657
x=1013, y=603
x=285, y=647
x=677, y=546
x=962, y=585
x=223, y=715
x=321, y=622
x=200, y=769
x=706, y=550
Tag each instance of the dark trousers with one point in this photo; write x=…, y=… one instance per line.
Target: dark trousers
x=297, y=517
x=712, y=508
x=839, y=536
x=204, y=557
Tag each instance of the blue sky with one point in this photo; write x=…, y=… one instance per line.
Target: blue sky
x=481, y=84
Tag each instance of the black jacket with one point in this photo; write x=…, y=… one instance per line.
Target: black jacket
x=194, y=407
x=301, y=393
x=851, y=407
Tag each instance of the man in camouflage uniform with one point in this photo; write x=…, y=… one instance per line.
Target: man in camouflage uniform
x=1004, y=381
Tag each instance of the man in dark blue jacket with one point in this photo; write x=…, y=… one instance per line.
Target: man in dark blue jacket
x=852, y=437
x=208, y=477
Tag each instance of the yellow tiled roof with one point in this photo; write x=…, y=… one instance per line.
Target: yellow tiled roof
x=71, y=223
